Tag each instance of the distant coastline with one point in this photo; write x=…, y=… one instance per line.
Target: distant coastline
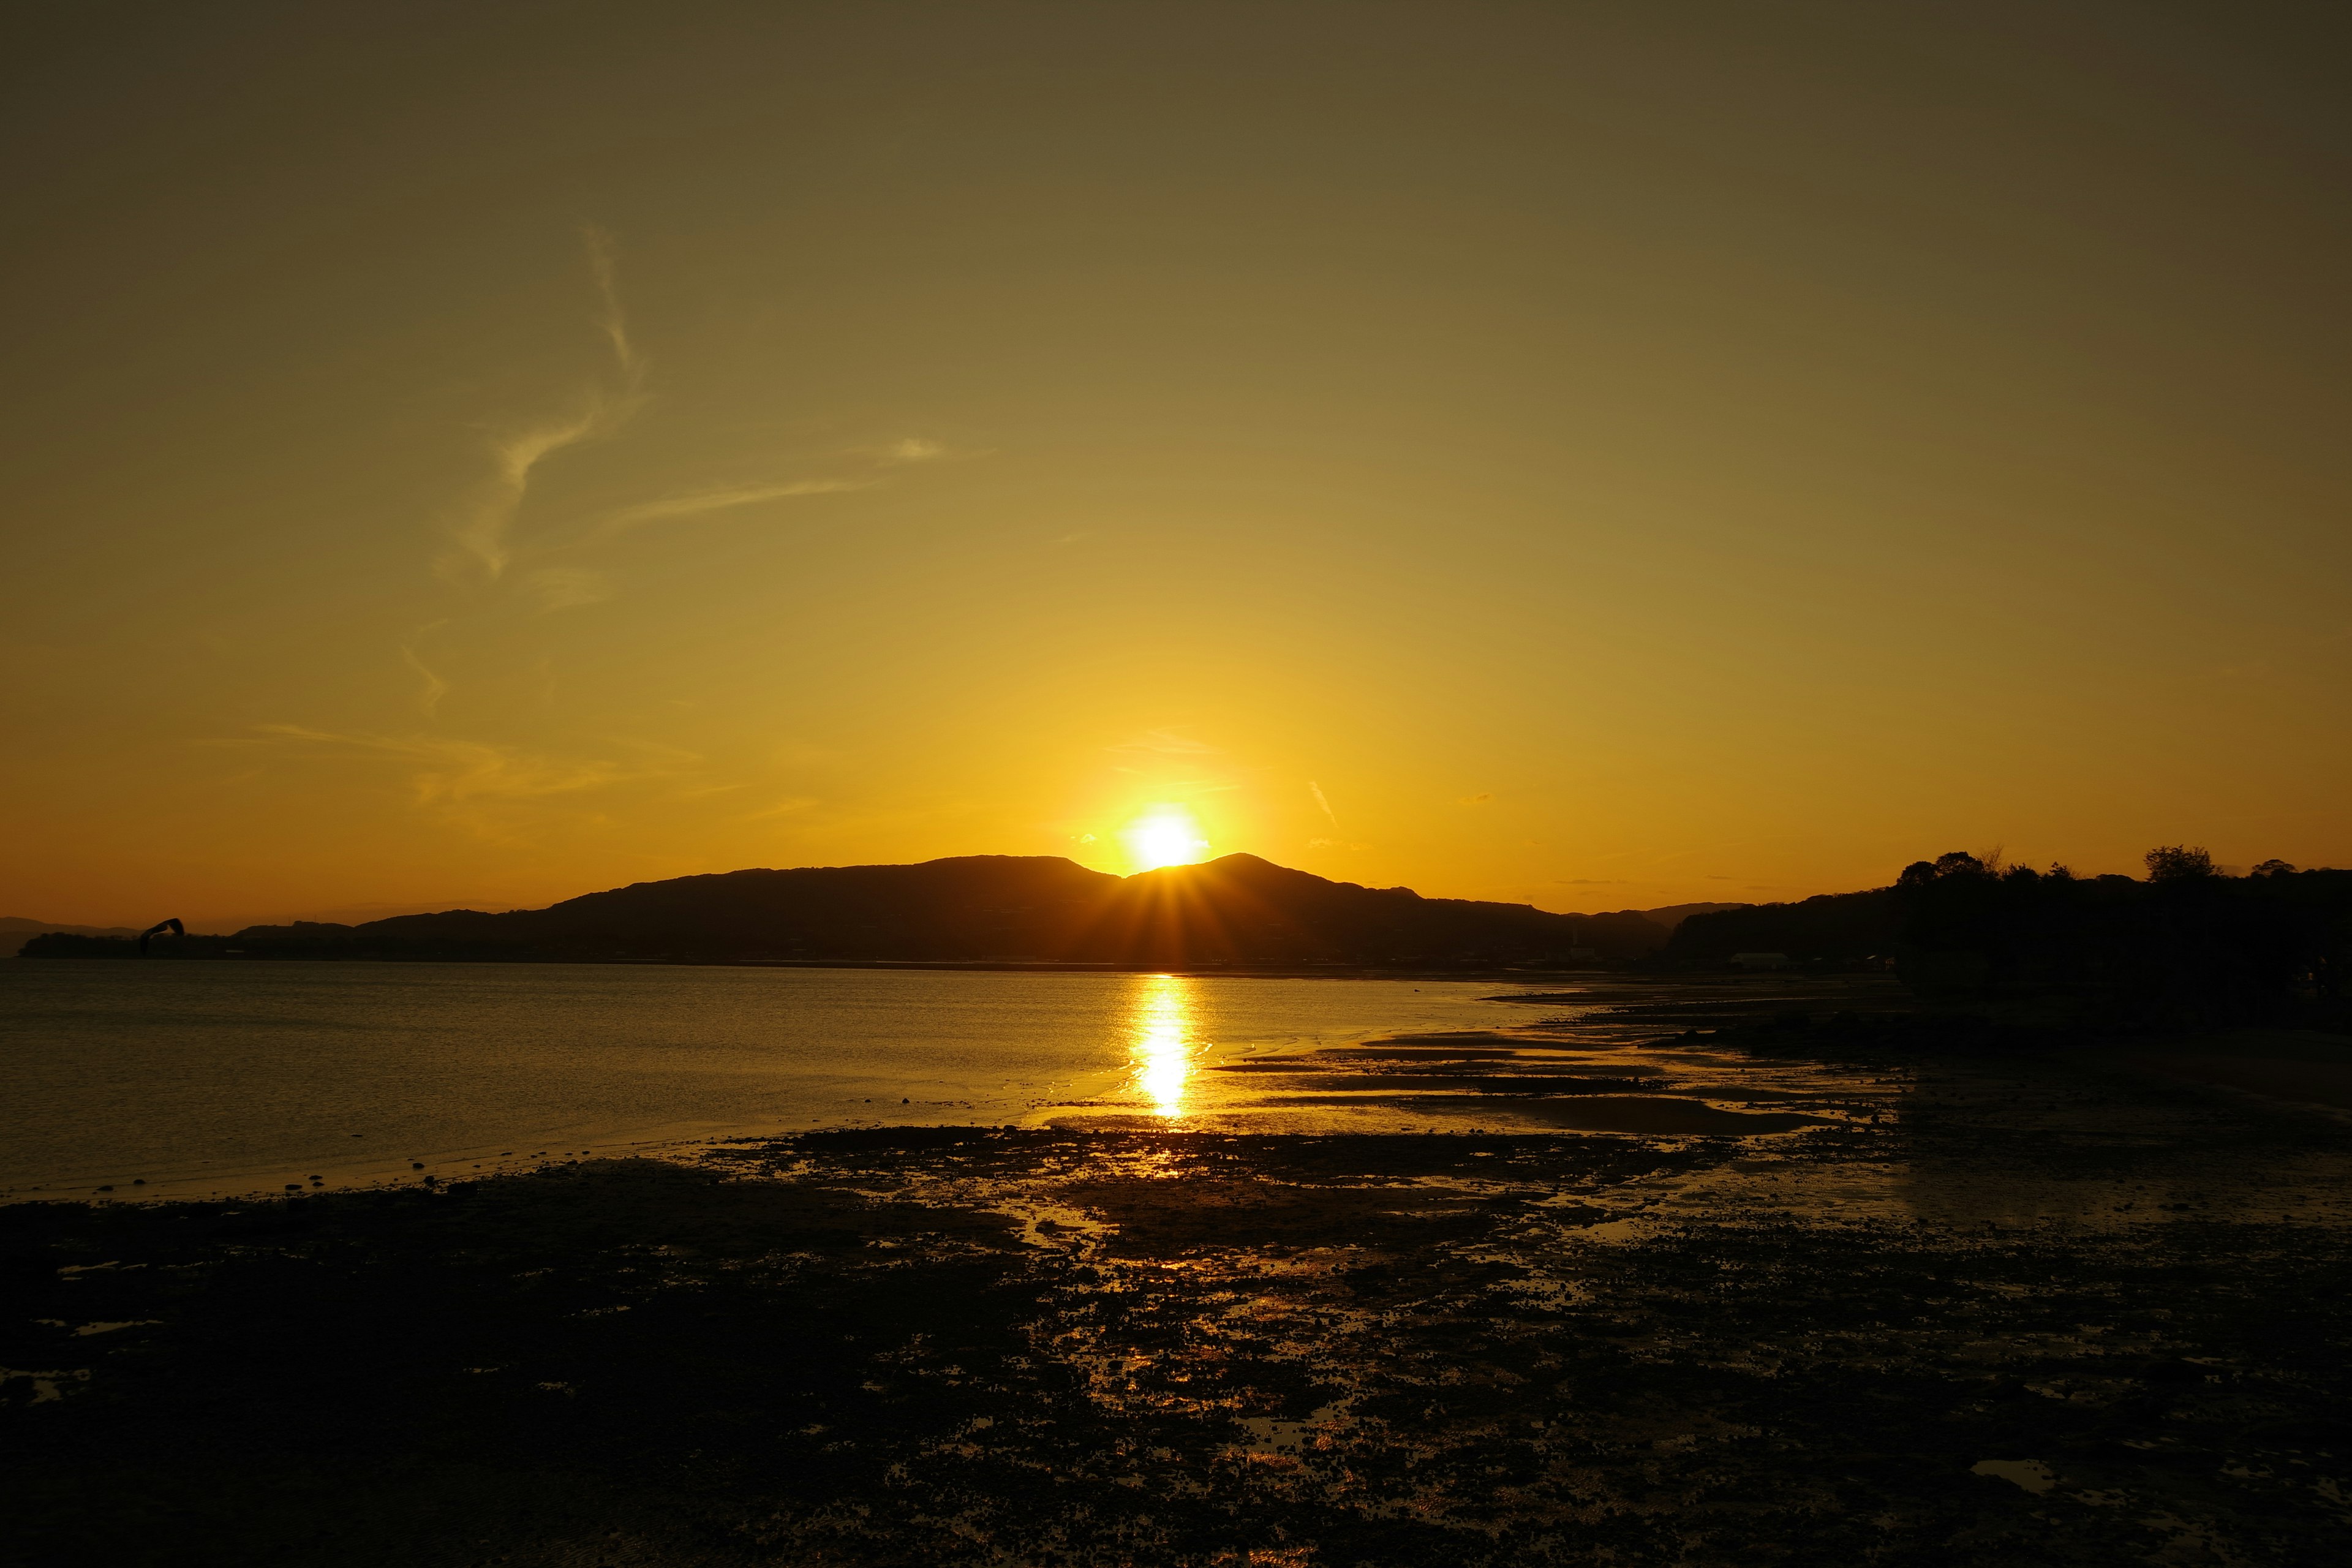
x=2189, y=943
x=1238, y=912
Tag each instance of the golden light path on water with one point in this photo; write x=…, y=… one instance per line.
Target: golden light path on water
x=1162, y=1026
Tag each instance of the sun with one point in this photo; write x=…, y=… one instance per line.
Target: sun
x=1163, y=835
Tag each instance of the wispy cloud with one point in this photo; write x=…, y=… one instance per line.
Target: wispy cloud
x=567, y=587
x=1481, y=798
x=428, y=701
x=615, y=325
x=1316, y=791
x=489, y=536
x=672, y=509
x=479, y=530
x=918, y=449
x=445, y=770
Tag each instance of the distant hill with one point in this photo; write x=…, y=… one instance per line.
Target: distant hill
x=15, y=930
x=1239, y=910
x=1672, y=915
x=1838, y=928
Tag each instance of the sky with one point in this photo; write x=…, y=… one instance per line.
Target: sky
x=1600, y=456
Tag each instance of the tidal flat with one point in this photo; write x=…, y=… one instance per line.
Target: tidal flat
x=1995, y=1307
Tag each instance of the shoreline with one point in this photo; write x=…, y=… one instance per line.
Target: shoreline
x=1480, y=974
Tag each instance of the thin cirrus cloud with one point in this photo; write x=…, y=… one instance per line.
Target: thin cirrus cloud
x=480, y=533
x=674, y=508
x=1316, y=791
x=446, y=772
x=567, y=587
x=429, y=698
x=910, y=450
x=616, y=325
x=724, y=497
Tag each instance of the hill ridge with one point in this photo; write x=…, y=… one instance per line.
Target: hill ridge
x=1239, y=908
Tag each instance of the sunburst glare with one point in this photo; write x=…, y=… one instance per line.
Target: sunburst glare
x=1163, y=835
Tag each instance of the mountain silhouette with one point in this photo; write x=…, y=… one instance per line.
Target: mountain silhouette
x=1236, y=910
x=20, y=927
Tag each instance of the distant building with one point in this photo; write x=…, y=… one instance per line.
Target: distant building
x=1759, y=960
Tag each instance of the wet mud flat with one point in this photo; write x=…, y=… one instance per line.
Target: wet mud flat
x=2003, y=1310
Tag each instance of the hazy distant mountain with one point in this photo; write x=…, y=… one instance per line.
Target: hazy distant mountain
x=15, y=929
x=1672, y=915
x=1239, y=910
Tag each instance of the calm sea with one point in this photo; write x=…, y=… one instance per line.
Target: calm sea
x=193, y=1078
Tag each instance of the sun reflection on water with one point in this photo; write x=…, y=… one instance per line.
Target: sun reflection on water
x=1162, y=1025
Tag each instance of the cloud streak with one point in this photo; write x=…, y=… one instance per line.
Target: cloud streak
x=428, y=701
x=504, y=794
x=910, y=450
x=484, y=541
x=614, y=322
x=450, y=770
x=567, y=587
x=479, y=534
x=697, y=503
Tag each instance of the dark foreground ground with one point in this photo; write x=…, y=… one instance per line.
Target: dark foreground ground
x=1058, y=1347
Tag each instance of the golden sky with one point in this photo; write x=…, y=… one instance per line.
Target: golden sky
x=1596, y=455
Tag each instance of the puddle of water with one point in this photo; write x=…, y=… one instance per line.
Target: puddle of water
x=2031, y=1474
x=1271, y=1437
x=44, y=1385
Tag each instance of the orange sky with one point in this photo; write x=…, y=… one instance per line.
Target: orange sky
x=1599, y=456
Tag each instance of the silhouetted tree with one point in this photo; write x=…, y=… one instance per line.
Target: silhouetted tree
x=2178, y=862
x=1957, y=863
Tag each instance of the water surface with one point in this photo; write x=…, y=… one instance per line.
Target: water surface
x=194, y=1077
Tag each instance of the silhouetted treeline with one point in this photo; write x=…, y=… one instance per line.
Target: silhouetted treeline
x=1832, y=929
x=1237, y=910
x=2187, y=941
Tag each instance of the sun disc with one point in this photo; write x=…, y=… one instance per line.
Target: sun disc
x=1164, y=836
